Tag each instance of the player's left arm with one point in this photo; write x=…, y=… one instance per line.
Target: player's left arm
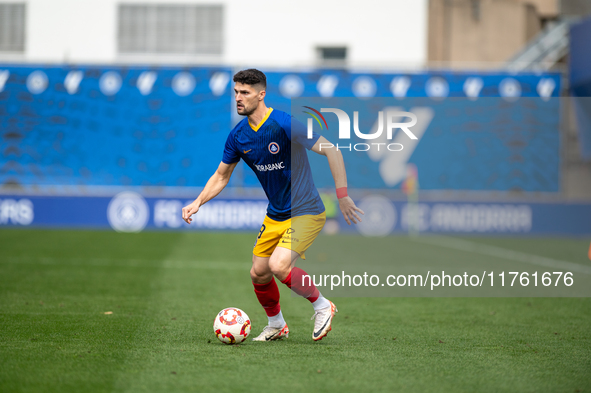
x=337, y=168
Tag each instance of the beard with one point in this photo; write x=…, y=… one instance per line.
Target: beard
x=245, y=111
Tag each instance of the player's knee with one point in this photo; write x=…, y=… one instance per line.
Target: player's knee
x=260, y=277
x=254, y=276
x=279, y=267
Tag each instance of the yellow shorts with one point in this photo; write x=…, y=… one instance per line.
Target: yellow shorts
x=296, y=234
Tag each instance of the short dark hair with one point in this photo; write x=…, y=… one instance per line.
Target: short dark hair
x=251, y=77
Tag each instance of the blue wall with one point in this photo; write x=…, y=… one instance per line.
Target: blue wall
x=117, y=128
x=483, y=145
x=109, y=135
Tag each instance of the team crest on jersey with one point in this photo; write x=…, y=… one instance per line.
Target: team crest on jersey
x=273, y=148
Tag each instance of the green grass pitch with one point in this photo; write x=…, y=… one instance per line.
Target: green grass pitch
x=164, y=289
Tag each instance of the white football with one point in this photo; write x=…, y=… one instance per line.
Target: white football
x=231, y=326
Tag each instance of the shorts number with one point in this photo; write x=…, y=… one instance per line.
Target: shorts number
x=262, y=230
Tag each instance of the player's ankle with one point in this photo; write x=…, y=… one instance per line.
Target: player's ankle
x=277, y=321
x=320, y=303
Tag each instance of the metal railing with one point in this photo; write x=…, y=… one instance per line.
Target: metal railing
x=545, y=50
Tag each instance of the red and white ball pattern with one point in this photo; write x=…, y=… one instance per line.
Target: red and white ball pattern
x=231, y=326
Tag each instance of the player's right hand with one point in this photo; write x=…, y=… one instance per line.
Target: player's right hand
x=189, y=210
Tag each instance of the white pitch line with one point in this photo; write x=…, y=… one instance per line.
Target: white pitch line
x=139, y=263
x=498, y=252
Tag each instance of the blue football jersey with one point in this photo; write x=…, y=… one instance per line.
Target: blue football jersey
x=276, y=152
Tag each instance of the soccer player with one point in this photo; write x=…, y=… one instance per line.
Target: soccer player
x=274, y=148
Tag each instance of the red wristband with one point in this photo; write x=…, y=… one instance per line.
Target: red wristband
x=342, y=192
